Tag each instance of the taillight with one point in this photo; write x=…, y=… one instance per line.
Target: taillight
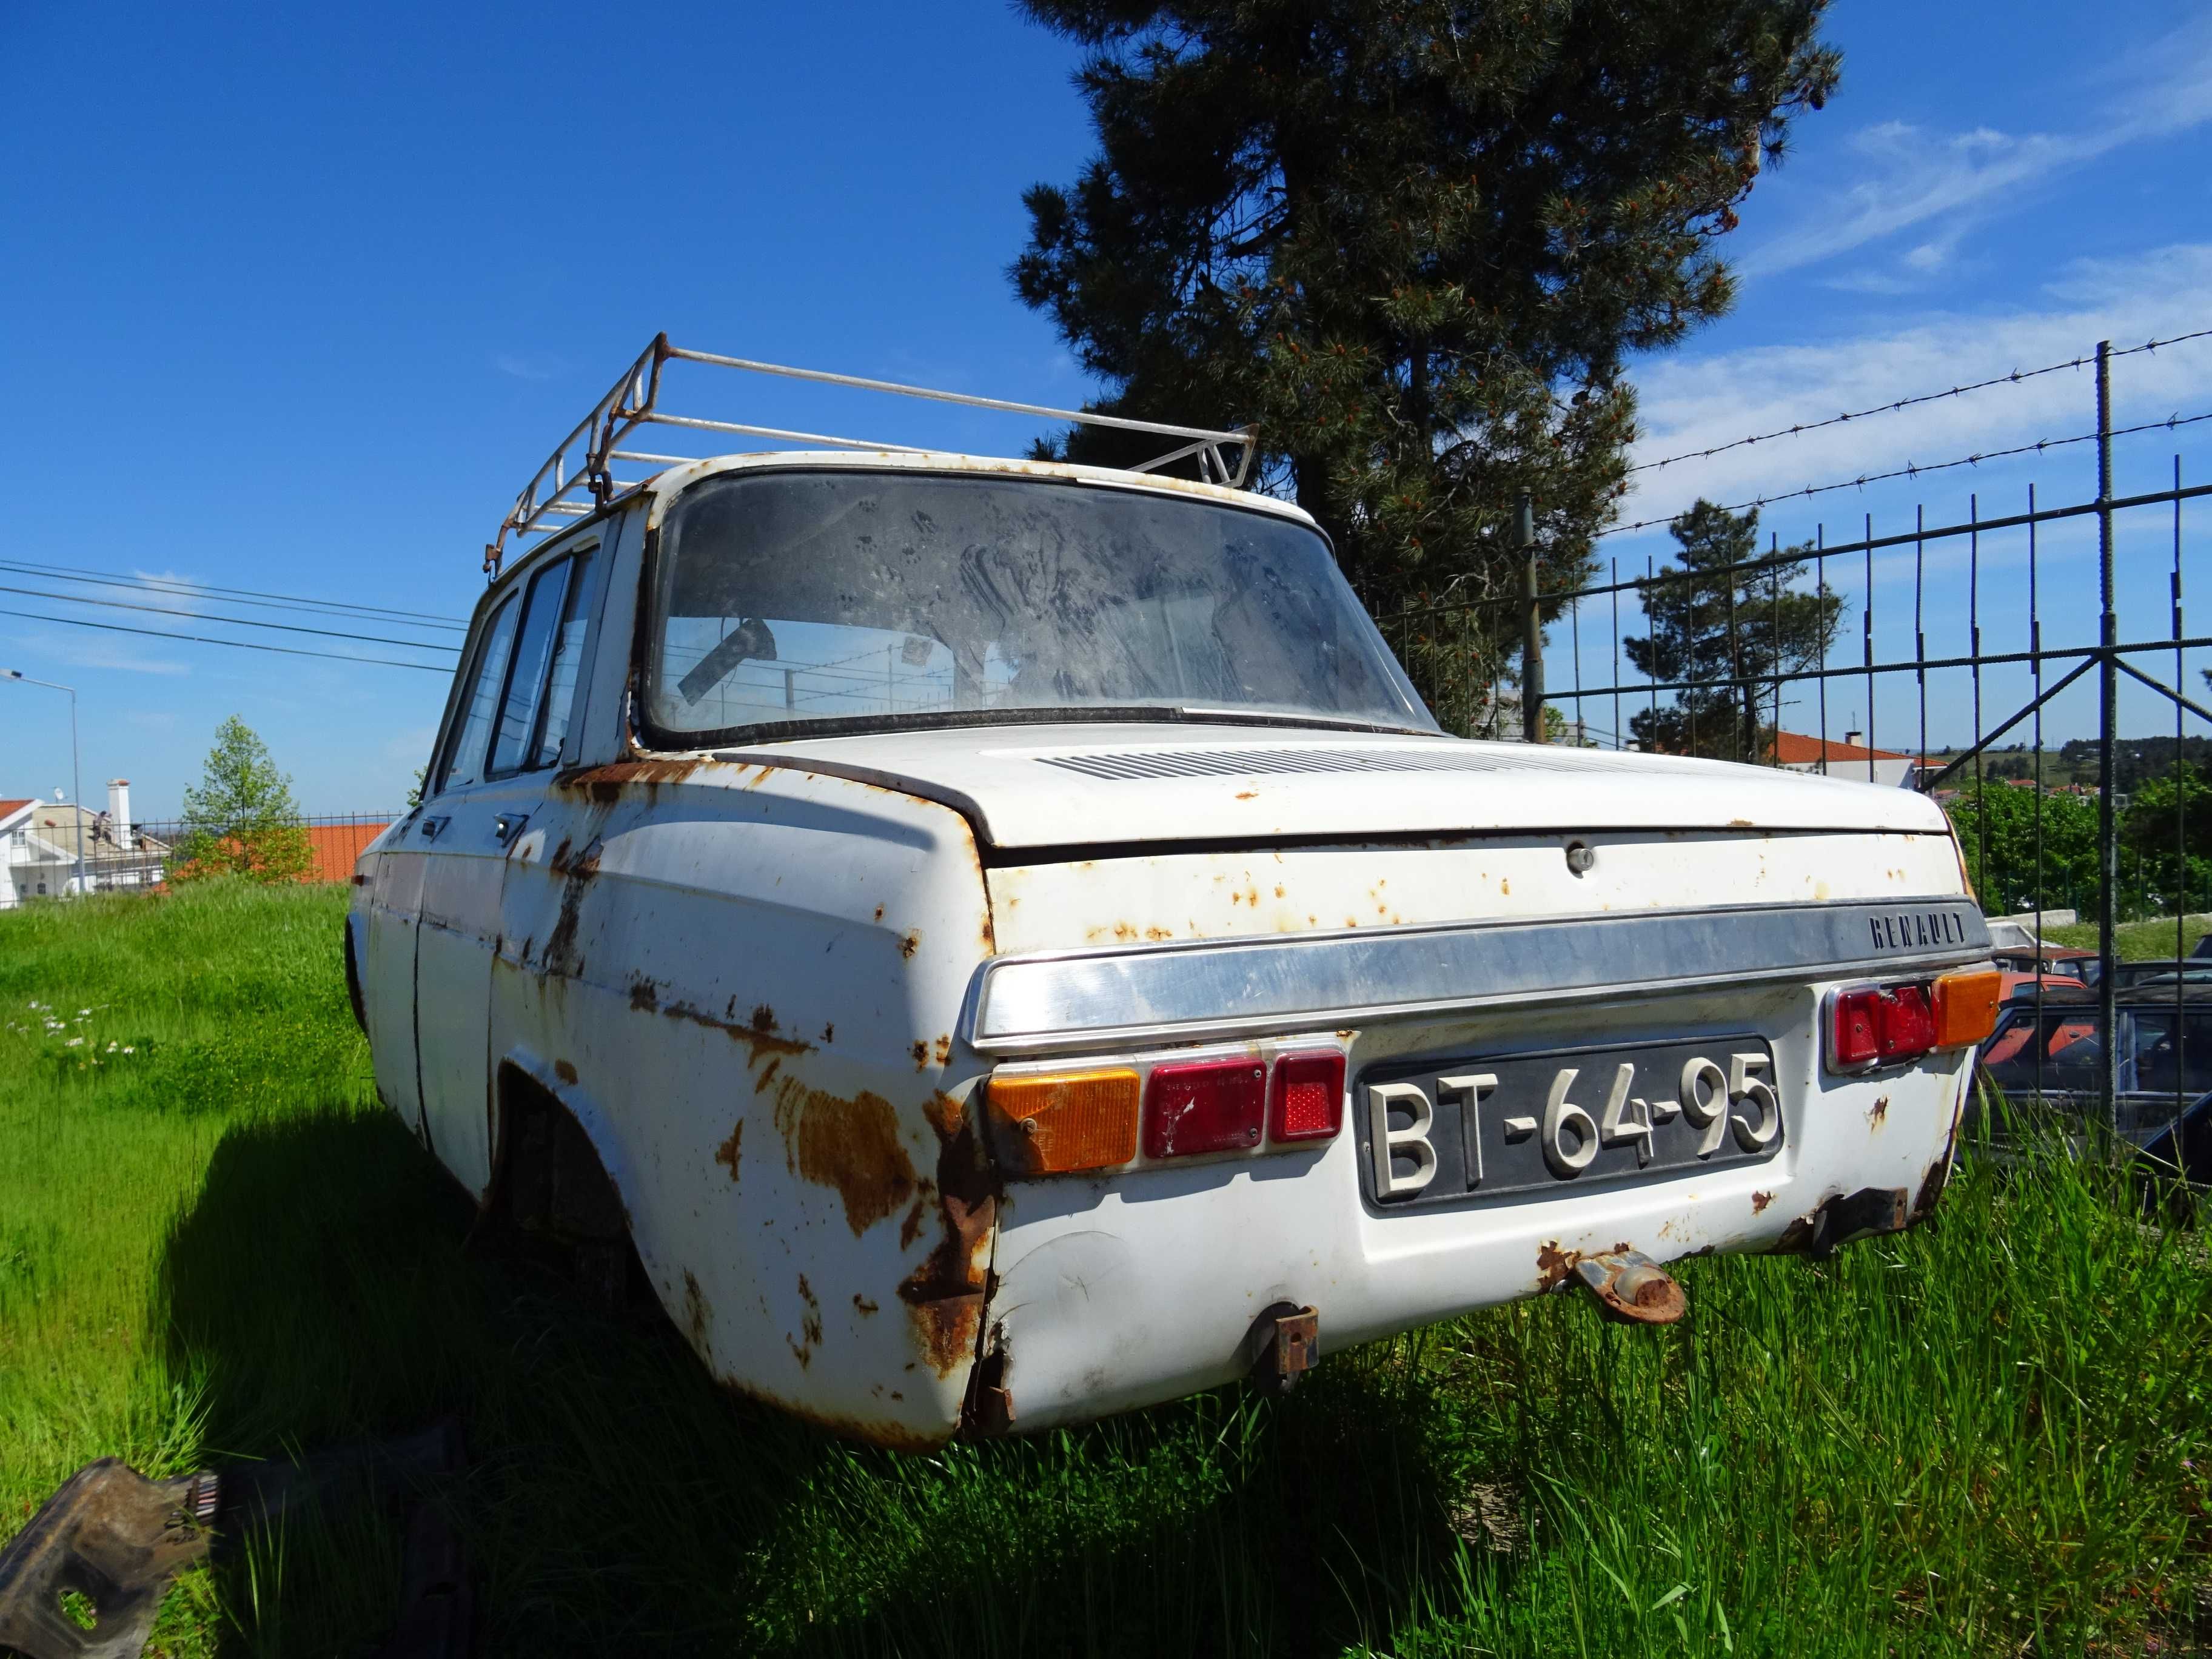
x=1888, y=1024
x=1851, y=1036
x=1966, y=1007
x=1308, y=1097
x=1904, y=1021
x=1205, y=1106
x=1068, y=1120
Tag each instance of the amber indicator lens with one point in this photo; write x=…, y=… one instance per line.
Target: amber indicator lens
x=1066, y=1121
x=1206, y=1106
x=1966, y=1007
x=1307, y=1099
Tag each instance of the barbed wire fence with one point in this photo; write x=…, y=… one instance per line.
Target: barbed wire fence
x=1462, y=654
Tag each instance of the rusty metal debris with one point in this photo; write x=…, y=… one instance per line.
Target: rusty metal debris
x=85, y=1579
x=1631, y=1287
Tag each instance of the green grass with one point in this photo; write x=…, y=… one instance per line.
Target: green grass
x=2136, y=941
x=1990, y=1435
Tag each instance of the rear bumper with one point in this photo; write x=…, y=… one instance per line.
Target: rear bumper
x=1121, y=1292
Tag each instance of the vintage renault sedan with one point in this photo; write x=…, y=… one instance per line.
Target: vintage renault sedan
x=995, y=943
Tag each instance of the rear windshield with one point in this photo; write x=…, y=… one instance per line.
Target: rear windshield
x=870, y=599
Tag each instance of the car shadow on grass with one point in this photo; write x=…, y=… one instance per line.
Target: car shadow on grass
x=325, y=1286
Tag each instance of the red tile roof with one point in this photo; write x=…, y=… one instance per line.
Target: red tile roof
x=1793, y=748
x=9, y=808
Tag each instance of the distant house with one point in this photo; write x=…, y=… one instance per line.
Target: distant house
x=41, y=842
x=1849, y=759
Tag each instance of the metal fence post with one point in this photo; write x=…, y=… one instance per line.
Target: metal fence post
x=1532, y=625
x=2108, y=689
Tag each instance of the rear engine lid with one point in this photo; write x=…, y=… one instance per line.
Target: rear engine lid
x=1076, y=786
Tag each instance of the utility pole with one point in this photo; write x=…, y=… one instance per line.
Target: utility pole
x=1531, y=634
x=77, y=786
x=2108, y=692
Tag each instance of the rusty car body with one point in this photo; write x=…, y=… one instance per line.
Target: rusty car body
x=1004, y=944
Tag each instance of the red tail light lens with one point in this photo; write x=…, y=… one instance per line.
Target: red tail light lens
x=1308, y=1101
x=1880, y=1025
x=1852, y=1038
x=1207, y=1106
x=1907, y=1023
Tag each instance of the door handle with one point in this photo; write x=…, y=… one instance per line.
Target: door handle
x=508, y=825
x=432, y=826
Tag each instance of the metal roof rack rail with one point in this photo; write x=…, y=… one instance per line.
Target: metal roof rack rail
x=580, y=465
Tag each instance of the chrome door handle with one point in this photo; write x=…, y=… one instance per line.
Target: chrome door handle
x=432, y=826
x=508, y=825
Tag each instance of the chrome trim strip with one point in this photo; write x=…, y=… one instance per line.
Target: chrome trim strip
x=1191, y=990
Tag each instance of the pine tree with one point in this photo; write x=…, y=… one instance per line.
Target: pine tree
x=242, y=821
x=1712, y=621
x=1415, y=241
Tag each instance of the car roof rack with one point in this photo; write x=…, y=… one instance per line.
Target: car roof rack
x=580, y=465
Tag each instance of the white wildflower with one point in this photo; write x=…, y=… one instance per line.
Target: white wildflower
x=73, y=1043
x=128, y=1049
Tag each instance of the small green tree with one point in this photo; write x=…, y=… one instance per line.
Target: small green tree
x=2166, y=833
x=1712, y=621
x=242, y=821
x=1997, y=825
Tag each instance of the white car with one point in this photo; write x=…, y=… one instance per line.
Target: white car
x=1004, y=943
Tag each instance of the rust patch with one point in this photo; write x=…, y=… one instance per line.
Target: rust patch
x=920, y=1054
x=892, y=1436
x=764, y=1018
x=769, y=1075
x=756, y=1042
x=1759, y=1201
x=1247, y=794
x=879, y=913
x=578, y=873
x=910, y=1229
x=1158, y=933
x=730, y=1150
x=1879, y=1110
x=811, y=1326
x=1931, y=1187
x=695, y=1310
x=945, y=1296
x=944, y=1049
x=861, y=1304
x=909, y=943
x=850, y=1146
x=644, y=996
x=564, y=1071
x=605, y=784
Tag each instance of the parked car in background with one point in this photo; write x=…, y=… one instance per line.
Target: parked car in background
x=1003, y=942
x=2047, y=1061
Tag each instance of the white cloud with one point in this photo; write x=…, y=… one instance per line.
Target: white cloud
x=1906, y=174
x=529, y=366
x=91, y=651
x=1693, y=402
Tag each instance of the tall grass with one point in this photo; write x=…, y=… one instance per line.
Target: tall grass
x=1988, y=1436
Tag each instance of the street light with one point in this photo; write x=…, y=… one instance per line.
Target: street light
x=76, y=783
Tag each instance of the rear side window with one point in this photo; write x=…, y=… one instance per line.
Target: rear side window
x=465, y=760
x=543, y=610
x=568, y=662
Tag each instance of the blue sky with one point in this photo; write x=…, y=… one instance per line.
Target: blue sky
x=298, y=298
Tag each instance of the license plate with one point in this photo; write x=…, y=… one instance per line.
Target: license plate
x=1488, y=1126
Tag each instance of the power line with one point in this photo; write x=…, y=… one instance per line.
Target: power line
x=242, y=645
x=177, y=585
x=236, y=622
x=1912, y=472
x=2017, y=375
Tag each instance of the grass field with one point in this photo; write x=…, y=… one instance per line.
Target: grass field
x=1987, y=1436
